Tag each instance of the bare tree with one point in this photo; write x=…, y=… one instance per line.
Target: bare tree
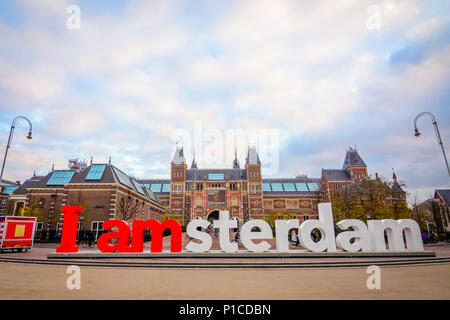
x=418, y=213
x=127, y=208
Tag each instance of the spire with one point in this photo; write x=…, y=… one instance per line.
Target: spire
x=235, y=161
x=92, y=158
x=178, y=157
x=394, y=176
x=194, y=164
x=252, y=156
x=53, y=167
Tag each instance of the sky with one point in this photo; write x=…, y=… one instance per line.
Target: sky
x=122, y=79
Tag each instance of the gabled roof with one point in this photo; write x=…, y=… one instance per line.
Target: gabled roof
x=4, y=182
x=444, y=194
x=352, y=158
x=336, y=175
x=110, y=175
x=30, y=183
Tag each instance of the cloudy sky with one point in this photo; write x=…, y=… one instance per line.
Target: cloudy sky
x=325, y=75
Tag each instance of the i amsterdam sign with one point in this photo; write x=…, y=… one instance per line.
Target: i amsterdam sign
x=402, y=235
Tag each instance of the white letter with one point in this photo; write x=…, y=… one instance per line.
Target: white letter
x=394, y=230
x=74, y=280
x=325, y=225
x=192, y=231
x=282, y=228
x=247, y=235
x=224, y=225
x=360, y=234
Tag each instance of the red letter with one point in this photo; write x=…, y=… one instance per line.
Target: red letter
x=137, y=242
x=69, y=229
x=123, y=236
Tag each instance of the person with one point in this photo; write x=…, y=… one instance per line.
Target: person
x=314, y=237
x=89, y=239
x=216, y=232
x=236, y=237
x=293, y=236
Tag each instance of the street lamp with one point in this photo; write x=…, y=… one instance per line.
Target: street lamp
x=11, y=132
x=438, y=135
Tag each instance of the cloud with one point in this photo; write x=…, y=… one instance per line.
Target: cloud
x=137, y=71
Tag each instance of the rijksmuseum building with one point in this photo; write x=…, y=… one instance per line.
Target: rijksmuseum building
x=106, y=192
x=193, y=192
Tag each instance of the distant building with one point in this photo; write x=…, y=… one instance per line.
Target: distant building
x=189, y=193
x=443, y=196
x=194, y=192
x=104, y=191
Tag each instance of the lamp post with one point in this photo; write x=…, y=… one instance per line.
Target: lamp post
x=11, y=132
x=438, y=135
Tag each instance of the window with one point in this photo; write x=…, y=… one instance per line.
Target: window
x=233, y=187
x=266, y=187
x=60, y=177
x=96, y=225
x=216, y=176
x=301, y=186
x=96, y=172
x=255, y=188
x=39, y=226
x=289, y=187
x=123, y=178
x=155, y=187
x=3, y=203
x=313, y=186
x=199, y=187
x=166, y=187
x=277, y=187
x=177, y=188
x=9, y=189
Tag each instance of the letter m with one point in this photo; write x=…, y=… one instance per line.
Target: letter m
x=394, y=230
x=157, y=228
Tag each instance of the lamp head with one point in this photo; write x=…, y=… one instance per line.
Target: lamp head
x=416, y=132
x=29, y=137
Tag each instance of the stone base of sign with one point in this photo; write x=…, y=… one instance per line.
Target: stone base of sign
x=240, y=254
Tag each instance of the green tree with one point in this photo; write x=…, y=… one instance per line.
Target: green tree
x=346, y=205
x=373, y=195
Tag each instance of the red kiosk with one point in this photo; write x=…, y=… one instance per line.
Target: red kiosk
x=16, y=233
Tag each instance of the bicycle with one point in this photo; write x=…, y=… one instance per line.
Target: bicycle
x=88, y=244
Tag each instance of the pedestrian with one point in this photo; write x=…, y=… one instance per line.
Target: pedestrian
x=293, y=237
x=237, y=238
